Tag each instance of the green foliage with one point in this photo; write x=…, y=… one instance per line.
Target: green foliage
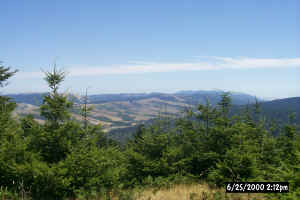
x=55, y=107
x=89, y=168
x=5, y=194
x=6, y=106
x=241, y=168
x=225, y=104
x=54, y=78
x=5, y=74
x=126, y=196
x=207, y=114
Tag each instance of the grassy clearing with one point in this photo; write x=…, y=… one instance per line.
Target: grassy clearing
x=193, y=192
x=176, y=192
x=182, y=192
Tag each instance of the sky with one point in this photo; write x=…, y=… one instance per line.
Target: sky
x=135, y=46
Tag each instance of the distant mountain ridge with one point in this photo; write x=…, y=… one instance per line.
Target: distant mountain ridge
x=28, y=98
x=127, y=110
x=190, y=97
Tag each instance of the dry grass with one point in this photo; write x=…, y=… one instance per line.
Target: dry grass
x=177, y=192
x=192, y=192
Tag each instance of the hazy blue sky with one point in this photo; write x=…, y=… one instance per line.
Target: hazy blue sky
x=162, y=46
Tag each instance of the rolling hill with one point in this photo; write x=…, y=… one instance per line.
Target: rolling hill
x=119, y=111
x=126, y=110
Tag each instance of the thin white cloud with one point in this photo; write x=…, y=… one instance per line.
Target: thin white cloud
x=249, y=63
x=206, y=63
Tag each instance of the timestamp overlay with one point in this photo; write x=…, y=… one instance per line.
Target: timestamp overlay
x=257, y=187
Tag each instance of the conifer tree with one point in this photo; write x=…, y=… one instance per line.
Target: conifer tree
x=247, y=115
x=207, y=114
x=5, y=74
x=224, y=108
x=60, y=133
x=12, y=146
x=257, y=110
x=55, y=107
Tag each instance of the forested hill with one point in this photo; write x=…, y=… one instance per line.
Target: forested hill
x=278, y=110
x=281, y=108
x=288, y=104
